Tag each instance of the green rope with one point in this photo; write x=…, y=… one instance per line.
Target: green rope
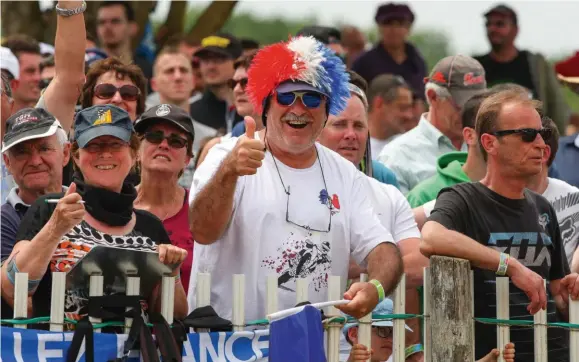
x=336, y=319
x=257, y=322
x=39, y=320
x=524, y=322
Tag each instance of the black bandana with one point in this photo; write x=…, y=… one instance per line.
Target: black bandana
x=109, y=207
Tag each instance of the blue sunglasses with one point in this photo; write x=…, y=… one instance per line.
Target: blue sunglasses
x=309, y=99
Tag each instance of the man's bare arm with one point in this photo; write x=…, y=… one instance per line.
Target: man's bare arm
x=211, y=210
x=438, y=240
x=575, y=262
x=414, y=261
x=62, y=94
x=385, y=265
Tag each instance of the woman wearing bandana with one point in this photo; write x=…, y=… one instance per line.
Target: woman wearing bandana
x=96, y=210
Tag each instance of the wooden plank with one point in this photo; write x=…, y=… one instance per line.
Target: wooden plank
x=451, y=311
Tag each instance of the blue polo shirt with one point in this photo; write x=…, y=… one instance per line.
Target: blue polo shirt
x=11, y=213
x=567, y=159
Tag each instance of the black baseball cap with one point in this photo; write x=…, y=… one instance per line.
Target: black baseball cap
x=28, y=124
x=166, y=113
x=503, y=10
x=393, y=11
x=324, y=34
x=102, y=120
x=222, y=44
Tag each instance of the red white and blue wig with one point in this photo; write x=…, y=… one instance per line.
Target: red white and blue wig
x=300, y=60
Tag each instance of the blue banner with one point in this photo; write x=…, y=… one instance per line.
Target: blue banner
x=23, y=345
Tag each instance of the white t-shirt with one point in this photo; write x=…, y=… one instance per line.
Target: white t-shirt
x=393, y=210
x=565, y=201
x=376, y=146
x=395, y=214
x=259, y=242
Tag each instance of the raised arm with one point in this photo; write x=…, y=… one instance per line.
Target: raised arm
x=212, y=206
x=61, y=95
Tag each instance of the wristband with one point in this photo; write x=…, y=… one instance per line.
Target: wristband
x=378, y=285
x=70, y=12
x=410, y=350
x=503, y=264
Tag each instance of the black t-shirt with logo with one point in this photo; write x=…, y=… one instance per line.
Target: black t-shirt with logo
x=516, y=71
x=528, y=230
x=74, y=245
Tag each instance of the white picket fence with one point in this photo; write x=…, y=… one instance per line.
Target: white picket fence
x=335, y=292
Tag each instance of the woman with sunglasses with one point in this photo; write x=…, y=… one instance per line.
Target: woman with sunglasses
x=167, y=137
x=97, y=210
x=110, y=81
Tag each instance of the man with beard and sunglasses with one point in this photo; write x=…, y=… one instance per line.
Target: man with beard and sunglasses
x=274, y=202
x=507, y=64
x=504, y=229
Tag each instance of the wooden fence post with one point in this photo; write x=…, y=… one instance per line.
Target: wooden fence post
x=451, y=311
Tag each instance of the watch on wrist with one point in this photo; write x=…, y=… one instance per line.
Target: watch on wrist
x=70, y=12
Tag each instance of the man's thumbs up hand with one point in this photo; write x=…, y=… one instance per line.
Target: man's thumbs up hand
x=248, y=153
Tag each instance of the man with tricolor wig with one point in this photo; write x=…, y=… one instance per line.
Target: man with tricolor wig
x=276, y=203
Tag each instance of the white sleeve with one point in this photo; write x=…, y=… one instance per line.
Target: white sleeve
x=404, y=223
x=209, y=166
x=366, y=231
x=428, y=207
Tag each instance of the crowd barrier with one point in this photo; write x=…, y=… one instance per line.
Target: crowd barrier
x=448, y=321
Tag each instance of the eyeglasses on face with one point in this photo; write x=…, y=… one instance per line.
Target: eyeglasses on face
x=310, y=100
x=383, y=332
x=98, y=147
x=157, y=137
x=128, y=92
x=528, y=135
x=233, y=83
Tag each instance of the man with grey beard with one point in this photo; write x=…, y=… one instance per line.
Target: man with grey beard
x=274, y=202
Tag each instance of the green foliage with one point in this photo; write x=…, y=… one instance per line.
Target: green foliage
x=263, y=30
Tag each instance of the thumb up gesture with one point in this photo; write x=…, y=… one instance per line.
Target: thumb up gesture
x=248, y=153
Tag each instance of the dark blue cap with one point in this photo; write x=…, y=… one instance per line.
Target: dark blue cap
x=102, y=120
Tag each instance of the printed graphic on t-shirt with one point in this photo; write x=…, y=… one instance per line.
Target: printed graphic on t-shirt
x=527, y=247
x=567, y=209
x=300, y=259
x=333, y=202
x=74, y=246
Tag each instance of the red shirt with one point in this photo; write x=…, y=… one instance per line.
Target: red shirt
x=177, y=227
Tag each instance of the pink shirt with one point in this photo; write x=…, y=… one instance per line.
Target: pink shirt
x=177, y=227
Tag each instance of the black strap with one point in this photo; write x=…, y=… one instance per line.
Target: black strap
x=180, y=334
x=139, y=332
x=83, y=330
x=168, y=347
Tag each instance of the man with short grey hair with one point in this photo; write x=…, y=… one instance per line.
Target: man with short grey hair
x=35, y=149
x=390, y=110
x=413, y=155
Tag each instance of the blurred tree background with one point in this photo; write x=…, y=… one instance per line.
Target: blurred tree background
x=432, y=43
x=198, y=21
